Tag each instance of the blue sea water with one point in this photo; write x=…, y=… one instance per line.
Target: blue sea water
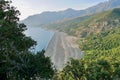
x=40, y=35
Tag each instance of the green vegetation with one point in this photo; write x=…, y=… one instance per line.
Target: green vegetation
x=103, y=41
x=101, y=49
x=87, y=25
x=69, y=25
x=100, y=69
x=101, y=60
x=100, y=35
x=106, y=44
x=16, y=60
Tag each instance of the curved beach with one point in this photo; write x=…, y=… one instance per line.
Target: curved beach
x=61, y=48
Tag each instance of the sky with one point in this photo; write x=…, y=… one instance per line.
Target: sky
x=31, y=7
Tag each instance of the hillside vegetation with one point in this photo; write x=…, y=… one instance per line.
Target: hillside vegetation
x=87, y=25
x=99, y=22
x=101, y=47
x=67, y=25
x=99, y=38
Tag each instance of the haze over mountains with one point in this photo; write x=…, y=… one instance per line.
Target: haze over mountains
x=50, y=17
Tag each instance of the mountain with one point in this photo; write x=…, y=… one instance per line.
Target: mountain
x=101, y=45
x=101, y=51
x=67, y=25
x=104, y=6
x=98, y=22
x=86, y=25
x=50, y=17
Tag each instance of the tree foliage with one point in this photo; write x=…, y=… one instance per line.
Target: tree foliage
x=16, y=60
x=101, y=60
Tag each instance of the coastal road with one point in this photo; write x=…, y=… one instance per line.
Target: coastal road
x=61, y=48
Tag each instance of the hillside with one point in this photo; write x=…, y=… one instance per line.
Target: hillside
x=101, y=46
x=99, y=22
x=50, y=17
x=87, y=25
x=101, y=58
x=67, y=25
x=110, y=4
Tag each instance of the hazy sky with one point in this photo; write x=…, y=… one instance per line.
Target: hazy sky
x=30, y=7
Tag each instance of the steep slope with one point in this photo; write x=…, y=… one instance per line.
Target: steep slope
x=103, y=41
x=101, y=51
x=49, y=17
x=110, y=4
x=87, y=25
x=101, y=58
x=99, y=22
x=67, y=25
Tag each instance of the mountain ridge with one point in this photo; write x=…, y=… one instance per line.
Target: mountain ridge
x=85, y=25
x=49, y=17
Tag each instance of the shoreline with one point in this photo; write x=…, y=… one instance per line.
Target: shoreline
x=50, y=40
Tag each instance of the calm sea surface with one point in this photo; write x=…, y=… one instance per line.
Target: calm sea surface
x=40, y=35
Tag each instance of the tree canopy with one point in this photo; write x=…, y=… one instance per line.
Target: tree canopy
x=17, y=62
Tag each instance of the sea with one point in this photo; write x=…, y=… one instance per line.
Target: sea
x=41, y=36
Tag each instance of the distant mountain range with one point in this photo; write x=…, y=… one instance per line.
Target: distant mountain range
x=50, y=17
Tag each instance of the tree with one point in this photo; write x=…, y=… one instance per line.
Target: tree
x=16, y=60
x=43, y=65
x=99, y=70
x=82, y=69
x=12, y=39
x=74, y=70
